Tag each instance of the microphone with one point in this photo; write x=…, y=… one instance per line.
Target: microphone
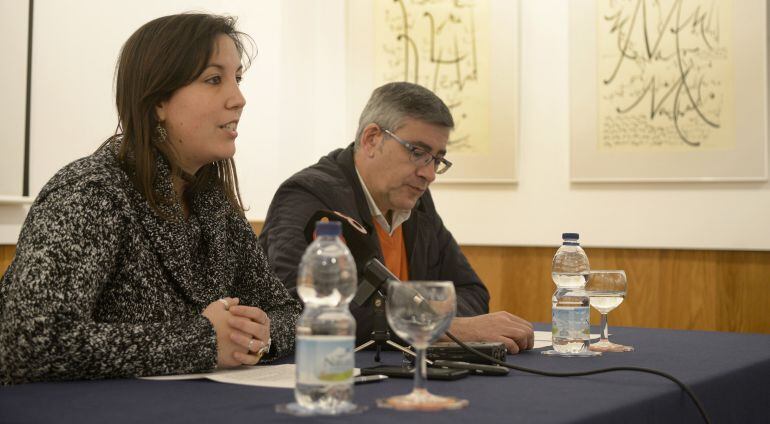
x=376, y=274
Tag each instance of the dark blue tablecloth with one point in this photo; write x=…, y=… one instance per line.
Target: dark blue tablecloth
x=729, y=372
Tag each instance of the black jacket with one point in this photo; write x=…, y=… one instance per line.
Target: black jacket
x=332, y=184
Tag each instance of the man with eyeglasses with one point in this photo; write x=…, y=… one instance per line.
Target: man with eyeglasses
x=381, y=181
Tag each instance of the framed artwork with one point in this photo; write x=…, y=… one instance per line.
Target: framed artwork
x=464, y=51
x=671, y=90
x=15, y=37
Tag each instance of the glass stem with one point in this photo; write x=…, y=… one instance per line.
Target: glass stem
x=605, y=329
x=420, y=372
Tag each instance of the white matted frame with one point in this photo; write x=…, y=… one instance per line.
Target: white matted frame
x=743, y=158
x=14, y=42
x=498, y=162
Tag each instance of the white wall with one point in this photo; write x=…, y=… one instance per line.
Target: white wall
x=300, y=106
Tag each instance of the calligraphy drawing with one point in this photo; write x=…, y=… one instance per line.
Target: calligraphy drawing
x=442, y=45
x=666, y=77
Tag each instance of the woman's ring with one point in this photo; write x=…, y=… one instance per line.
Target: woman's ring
x=226, y=303
x=265, y=348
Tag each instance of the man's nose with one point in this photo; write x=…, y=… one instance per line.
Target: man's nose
x=428, y=171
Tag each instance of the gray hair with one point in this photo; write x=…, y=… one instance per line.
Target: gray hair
x=393, y=102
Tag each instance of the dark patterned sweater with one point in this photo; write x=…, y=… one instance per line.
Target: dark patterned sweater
x=102, y=287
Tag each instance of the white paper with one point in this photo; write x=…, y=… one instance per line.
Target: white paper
x=543, y=339
x=182, y=376
x=277, y=376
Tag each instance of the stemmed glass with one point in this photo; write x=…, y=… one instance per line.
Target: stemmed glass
x=419, y=312
x=607, y=289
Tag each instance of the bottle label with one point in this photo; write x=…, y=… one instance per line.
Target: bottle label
x=571, y=322
x=325, y=359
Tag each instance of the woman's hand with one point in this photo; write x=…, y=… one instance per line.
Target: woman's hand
x=234, y=328
x=251, y=330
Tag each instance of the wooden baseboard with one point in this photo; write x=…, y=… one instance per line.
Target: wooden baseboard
x=680, y=289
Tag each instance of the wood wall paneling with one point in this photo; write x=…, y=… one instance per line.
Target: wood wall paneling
x=679, y=289
x=6, y=256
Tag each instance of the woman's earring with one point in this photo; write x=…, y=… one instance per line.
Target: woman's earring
x=162, y=134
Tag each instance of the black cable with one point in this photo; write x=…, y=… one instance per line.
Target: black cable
x=684, y=387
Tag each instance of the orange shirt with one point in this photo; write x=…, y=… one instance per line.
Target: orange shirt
x=394, y=251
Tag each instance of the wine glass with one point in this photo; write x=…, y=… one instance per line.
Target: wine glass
x=607, y=289
x=419, y=312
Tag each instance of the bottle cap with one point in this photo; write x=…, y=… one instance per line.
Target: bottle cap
x=570, y=236
x=331, y=228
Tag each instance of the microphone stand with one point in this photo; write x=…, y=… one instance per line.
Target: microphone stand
x=380, y=333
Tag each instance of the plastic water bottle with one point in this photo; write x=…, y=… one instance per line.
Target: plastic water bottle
x=570, y=304
x=326, y=282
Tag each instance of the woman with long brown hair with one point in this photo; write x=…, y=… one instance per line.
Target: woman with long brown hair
x=138, y=259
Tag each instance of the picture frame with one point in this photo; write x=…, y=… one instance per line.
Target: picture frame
x=492, y=161
x=15, y=40
x=713, y=102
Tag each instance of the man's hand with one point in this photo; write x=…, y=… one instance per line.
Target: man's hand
x=517, y=334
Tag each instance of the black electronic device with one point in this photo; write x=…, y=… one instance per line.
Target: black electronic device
x=408, y=372
x=450, y=351
x=478, y=369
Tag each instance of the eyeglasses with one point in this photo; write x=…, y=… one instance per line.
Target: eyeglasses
x=421, y=156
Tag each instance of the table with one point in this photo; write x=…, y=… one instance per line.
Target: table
x=729, y=372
